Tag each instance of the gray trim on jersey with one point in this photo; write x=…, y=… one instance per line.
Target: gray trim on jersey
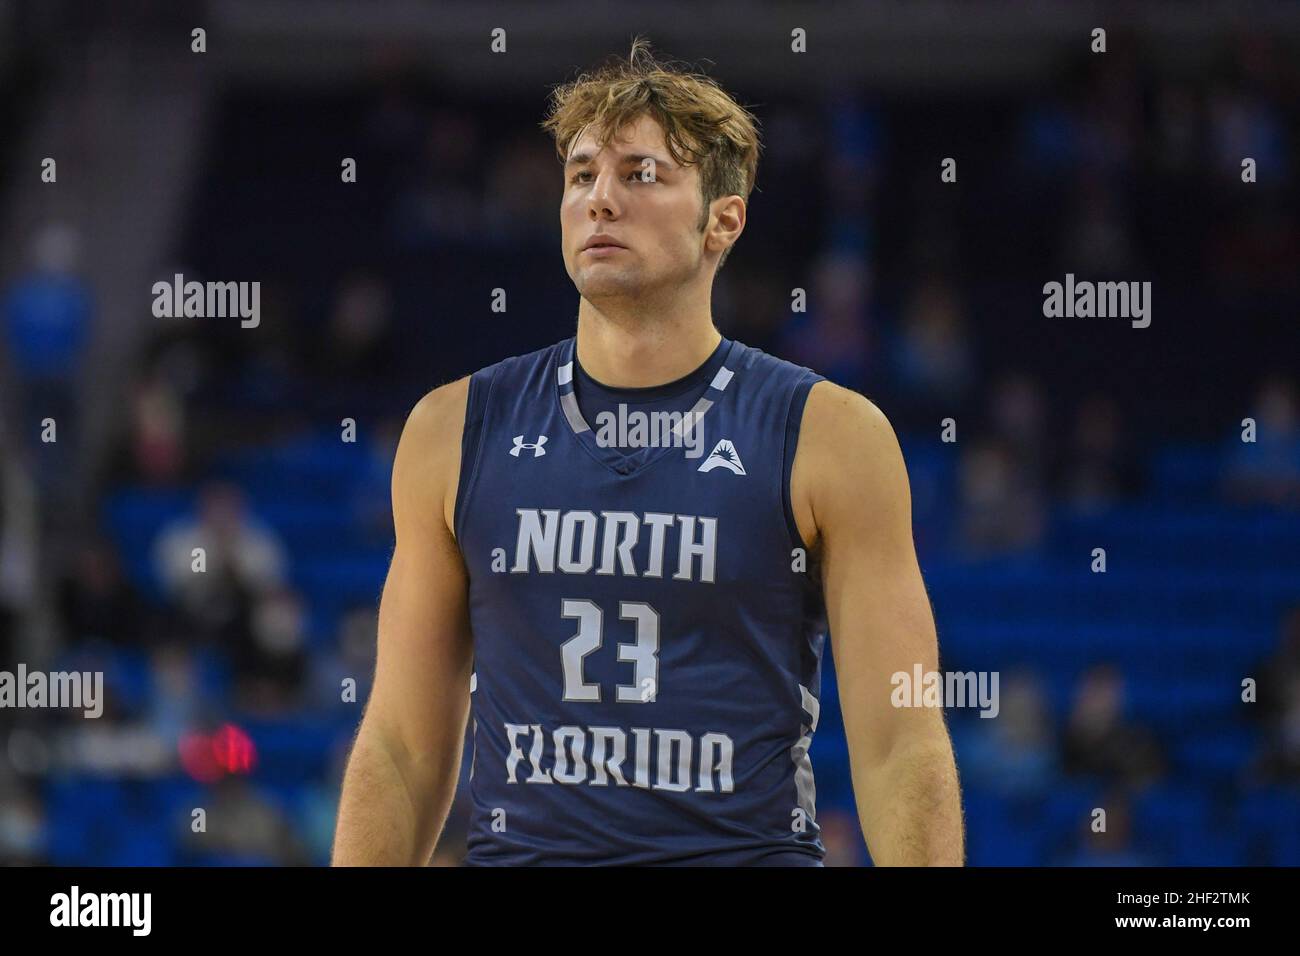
x=473, y=757
x=722, y=379
x=569, y=401
x=804, y=784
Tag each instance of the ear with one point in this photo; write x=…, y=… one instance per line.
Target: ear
x=726, y=222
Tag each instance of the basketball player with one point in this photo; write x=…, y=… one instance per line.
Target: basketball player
x=632, y=628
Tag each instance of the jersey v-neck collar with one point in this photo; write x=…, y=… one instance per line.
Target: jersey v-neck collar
x=715, y=370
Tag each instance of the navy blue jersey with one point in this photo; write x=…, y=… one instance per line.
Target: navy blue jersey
x=647, y=628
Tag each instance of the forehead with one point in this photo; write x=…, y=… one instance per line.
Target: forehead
x=641, y=136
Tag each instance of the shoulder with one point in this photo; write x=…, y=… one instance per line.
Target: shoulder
x=839, y=417
x=427, y=464
x=438, y=413
x=849, y=459
x=752, y=359
x=517, y=369
x=426, y=470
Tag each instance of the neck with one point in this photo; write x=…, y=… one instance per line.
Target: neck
x=641, y=354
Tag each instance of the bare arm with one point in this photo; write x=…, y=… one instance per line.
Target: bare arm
x=401, y=775
x=851, y=482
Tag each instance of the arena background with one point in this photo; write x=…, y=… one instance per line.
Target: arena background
x=1164, y=690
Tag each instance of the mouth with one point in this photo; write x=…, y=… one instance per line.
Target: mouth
x=602, y=252
x=602, y=245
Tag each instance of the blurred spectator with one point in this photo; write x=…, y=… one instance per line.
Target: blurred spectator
x=933, y=360
x=444, y=201
x=19, y=537
x=1280, y=761
x=245, y=829
x=117, y=743
x=232, y=540
x=1099, y=741
x=358, y=347
x=244, y=559
x=1002, y=511
x=47, y=318
x=1098, y=468
x=1111, y=109
x=523, y=192
x=832, y=337
x=1278, y=704
x=1243, y=124
x=154, y=453
x=178, y=702
x=1267, y=470
x=351, y=656
x=1112, y=846
x=1002, y=478
x=1282, y=667
x=271, y=661
x=320, y=804
x=96, y=602
x=1013, y=754
x=23, y=827
x=372, y=495
x=1019, y=420
x=1097, y=239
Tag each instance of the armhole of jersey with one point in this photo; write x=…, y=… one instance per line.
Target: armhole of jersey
x=471, y=442
x=793, y=423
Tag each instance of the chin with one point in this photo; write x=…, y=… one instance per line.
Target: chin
x=595, y=286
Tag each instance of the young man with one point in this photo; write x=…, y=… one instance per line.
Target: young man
x=634, y=618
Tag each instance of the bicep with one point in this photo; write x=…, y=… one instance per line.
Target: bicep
x=877, y=608
x=424, y=645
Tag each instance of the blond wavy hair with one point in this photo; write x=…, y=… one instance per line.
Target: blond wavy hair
x=700, y=120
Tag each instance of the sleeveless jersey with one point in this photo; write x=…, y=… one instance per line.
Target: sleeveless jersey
x=647, y=628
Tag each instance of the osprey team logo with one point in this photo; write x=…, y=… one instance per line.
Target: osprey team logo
x=724, y=455
x=536, y=446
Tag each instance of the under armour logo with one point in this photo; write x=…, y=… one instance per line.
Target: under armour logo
x=538, y=450
x=724, y=455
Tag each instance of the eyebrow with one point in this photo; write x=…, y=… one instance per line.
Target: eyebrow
x=583, y=158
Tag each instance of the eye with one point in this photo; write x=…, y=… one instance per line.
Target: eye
x=634, y=176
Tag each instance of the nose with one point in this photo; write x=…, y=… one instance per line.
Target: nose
x=602, y=201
